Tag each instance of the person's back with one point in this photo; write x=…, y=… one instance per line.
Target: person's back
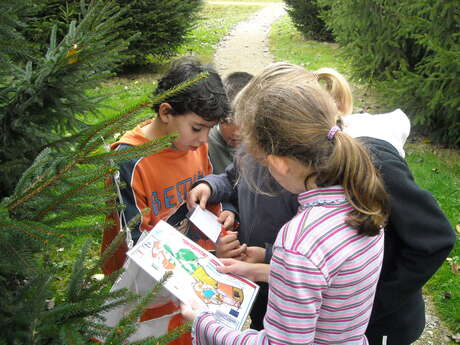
x=161, y=181
x=224, y=138
x=418, y=238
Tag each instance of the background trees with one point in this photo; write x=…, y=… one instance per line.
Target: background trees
x=409, y=49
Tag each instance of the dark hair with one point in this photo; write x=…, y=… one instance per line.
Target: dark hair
x=206, y=98
x=235, y=82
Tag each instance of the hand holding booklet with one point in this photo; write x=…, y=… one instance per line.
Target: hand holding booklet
x=194, y=276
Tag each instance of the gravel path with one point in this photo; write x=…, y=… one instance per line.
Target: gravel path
x=245, y=49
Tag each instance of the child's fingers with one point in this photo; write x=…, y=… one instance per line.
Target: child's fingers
x=227, y=262
x=199, y=194
x=237, y=252
x=227, y=219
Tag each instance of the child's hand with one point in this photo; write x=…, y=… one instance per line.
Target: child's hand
x=198, y=195
x=228, y=246
x=190, y=312
x=254, y=255
x=227, y=219
x=254, y=272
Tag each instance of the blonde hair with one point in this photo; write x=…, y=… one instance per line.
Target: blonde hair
x=285, y=111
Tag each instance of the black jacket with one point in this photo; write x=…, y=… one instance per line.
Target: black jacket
x=260, y=215
x=418, y=238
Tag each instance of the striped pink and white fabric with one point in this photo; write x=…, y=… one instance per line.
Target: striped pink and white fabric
x=322, y=281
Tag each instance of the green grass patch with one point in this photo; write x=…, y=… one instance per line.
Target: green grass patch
x=244, y=1
x=288, y=44
x=438, y=170
x=216, y=21
x=121, y=93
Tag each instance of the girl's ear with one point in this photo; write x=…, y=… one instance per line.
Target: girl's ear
x=278, y=163
x=164, y=111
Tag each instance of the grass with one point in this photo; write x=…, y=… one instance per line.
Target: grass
x=245, y=1
x=435, y=169
x=216, y=21
x=438, y=170
x=287, y=44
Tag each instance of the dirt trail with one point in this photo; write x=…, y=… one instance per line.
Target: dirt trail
x=245, y=47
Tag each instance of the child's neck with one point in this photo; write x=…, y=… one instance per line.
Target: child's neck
x=154, y=130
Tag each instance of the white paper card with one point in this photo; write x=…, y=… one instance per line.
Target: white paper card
x=207, y=222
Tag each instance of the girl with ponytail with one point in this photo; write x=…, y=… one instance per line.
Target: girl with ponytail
x=326, y=260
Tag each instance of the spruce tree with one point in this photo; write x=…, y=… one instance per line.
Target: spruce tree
x=42, y=94
x=62, y=192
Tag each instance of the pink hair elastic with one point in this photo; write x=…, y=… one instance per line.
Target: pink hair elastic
x=332, y=131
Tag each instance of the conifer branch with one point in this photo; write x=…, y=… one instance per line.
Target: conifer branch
x=72, y=192
x=18, y=201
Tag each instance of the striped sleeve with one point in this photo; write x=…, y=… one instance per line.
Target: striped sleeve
x=296, y=294
x=206, y=331
x=297, y=286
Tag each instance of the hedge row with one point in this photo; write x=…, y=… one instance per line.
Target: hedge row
x=306, y=19
x=159, y=26
x=410, y=50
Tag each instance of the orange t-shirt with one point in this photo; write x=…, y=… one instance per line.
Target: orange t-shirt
x=160, y=182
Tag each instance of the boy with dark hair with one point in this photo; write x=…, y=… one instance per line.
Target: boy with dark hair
x=162, y=180
x=224, y=138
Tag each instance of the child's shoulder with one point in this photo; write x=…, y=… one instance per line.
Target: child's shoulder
x=309, y=227
x=392, y=127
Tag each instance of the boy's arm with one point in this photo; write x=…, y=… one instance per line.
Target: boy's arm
x=223, y=188
x=134, y=197
x=418, y=237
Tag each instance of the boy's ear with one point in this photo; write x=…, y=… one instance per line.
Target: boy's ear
x=279, y=163
x=163, y=111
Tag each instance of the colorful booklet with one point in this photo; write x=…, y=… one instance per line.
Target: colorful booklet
x=194, y=275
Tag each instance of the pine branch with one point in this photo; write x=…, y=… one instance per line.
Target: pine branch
x=18, y=201
x=133, y=151
x=72, y=192
x=126, y=326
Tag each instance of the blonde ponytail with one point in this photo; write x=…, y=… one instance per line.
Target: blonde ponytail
x=338, y=87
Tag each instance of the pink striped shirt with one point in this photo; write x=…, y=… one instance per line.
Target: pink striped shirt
x=323, y=277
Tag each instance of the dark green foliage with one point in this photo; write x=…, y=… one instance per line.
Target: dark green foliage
x=163, y=25
x=156, y=27
x=46, y=14
x=61, y=195
x=306, y=16
x=411, y=50
x=47, y=210
x=43, y=99
x=14, y=46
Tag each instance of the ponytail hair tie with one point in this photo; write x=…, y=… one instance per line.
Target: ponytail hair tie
x=332, y=131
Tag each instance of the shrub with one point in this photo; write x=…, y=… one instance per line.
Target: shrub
x=163, y=25
x=41, y=94
x=155, y=27
x=411, y=50
x=305, y=15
